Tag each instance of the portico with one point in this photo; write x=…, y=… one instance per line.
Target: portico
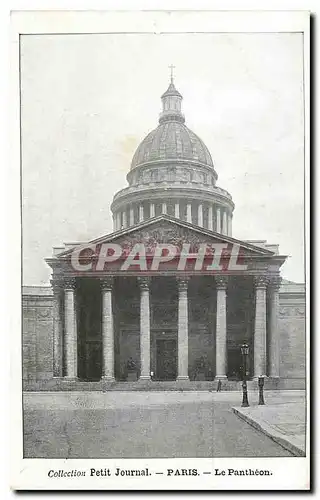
x=167, y=321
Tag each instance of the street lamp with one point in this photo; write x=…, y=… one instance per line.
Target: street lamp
x=261, y=384
x=245, y=352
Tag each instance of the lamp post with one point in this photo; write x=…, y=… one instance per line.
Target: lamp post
x=261, y=384
x=244, y=351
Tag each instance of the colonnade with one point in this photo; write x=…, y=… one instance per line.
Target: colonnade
x=219, y=218
x=65, y=327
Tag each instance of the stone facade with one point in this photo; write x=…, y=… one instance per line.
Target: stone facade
x=38, y=335
x=292, y=335
x=182, y=319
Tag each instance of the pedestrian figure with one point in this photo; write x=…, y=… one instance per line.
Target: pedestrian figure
x=219, y=386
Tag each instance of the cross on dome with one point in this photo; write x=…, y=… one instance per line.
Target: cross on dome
x=172, y=67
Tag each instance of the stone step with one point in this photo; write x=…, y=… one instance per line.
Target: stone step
x=143, y=385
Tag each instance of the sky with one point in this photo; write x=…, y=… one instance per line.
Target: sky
x=87, y=101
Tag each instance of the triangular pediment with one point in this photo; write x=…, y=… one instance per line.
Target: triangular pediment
x=168, y=230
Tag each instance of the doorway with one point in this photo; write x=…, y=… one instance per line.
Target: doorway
x=166, y=359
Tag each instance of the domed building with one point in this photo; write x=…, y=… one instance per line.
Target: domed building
x=172, y=173
x=169, y=297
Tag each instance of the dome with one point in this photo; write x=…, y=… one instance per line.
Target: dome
x=172, y=174
x=172, y=140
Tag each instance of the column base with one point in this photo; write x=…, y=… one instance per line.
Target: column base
x=221, y=377
x=270, y=383
x=183, y=377
x=108, y=379
x=144, y=377
x=69, y=379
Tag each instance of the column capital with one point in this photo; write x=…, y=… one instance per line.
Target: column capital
x=57, y=285
x=275, y=282
x=69, y=283
x=261, y=281
x=106, y=283
x=221, y=282
x=183, y=283
x=144, y=282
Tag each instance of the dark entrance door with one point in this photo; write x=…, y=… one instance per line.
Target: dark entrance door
x=166, y=359
x=93, y=360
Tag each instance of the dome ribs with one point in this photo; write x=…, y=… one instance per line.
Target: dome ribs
x=186, y=144
x=163, y=136
x=170, y=143
x=155, y=145
x=171, y=140
x=179, y=145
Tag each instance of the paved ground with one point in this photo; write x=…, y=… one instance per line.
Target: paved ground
x=284, y=423
x=127, y=425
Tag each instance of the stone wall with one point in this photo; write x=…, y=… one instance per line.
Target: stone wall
x=292, y=333
x=37, y=334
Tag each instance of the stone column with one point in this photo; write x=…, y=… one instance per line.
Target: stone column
x=274, y=334
x=57, y=330
x=107, y=329
x=210, y=218
x=140, y=213
x=144, y=284
x=260, y=327
x=183, y=353
x=218, y=221
x=189, y=216
x=124, y=219
x=118, y=218
x=221, y=327
x=200, y=215
x=70, y=330
x=164, y=207
x=131, y=216
x=224, y=223
x=152, y=210
x=177, y=211
x=229, y=225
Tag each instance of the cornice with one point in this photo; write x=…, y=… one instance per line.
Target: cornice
x=188, y=191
